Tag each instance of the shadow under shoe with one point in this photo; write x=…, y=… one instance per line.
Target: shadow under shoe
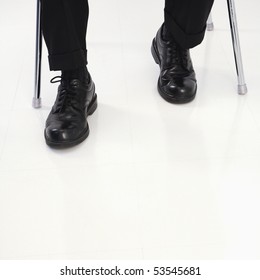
x=67, y=125
x=177, y=82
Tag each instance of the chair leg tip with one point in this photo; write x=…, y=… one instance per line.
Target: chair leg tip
x=37, y=103
x=242, y=89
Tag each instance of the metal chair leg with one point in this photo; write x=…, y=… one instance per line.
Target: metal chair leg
x=210, y=24
x=36, y=103
x=242, y=88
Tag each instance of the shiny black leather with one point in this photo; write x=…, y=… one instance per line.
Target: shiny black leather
x=67, y=124
x=177, y=82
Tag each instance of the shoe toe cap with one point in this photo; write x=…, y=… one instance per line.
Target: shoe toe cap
x=55, y=134
x=178, y=90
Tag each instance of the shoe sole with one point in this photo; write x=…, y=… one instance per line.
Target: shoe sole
x=60, y=145
x=161, y=92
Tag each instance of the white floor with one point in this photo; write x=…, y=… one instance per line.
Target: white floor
x=153, y=180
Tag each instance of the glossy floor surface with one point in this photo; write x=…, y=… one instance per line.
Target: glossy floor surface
x=153, y=180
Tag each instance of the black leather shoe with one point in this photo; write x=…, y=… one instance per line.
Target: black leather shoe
x=177, y=81
x=66, y=124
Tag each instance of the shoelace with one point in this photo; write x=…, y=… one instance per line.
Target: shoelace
x=178, y=56
x=52, y=81
x=64, y=96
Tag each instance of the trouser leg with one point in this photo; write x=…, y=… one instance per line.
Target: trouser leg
x=186, y=20
x=64, y=25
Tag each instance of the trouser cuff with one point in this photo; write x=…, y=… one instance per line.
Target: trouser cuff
x=185, y=40
x=68, y=61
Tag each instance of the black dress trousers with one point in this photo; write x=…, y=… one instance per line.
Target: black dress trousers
x=186, y=20
x=64, y=25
